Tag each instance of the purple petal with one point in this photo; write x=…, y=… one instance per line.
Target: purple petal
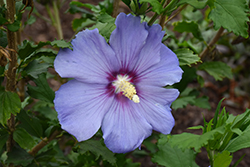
x=91, y=60
x=127, y=39
x=124, y=129
x=157, y=94
x=81, y=108
x=157, y=115
x=150, y=53
x=166, y=72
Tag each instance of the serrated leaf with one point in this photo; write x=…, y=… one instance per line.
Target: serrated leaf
x=218, y=70
x=61, y=44
x=188, y=26
x=195, y=3
x=9, y=104
x=202, y=102
x=42, y=90
x=79, y=24
x=23, y=138
x=186, y=56
x=169, y=156
x=35, y=68
x=31, y=124
x=232, y=15
x=182, y=102
x=156, y=5
x=105, y=29
x=27, y=47
x=19, y=156
x=188, y=140
x=98, y=149
x=222, y=159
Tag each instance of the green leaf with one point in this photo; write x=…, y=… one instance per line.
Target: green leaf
x=75, y=7
x=186, y=56
x=195, y=3
x=79, y=24
x=182, y=102
x=218, y=70
x=3, y=10
x=105, y=29
x=31, y=124
x=172, y=156
x=222, y=159
x=61, y=44
x=31, y=20
x=188, y=26
x=217, y=113
x=202, y=102
x=239, y=142
x=19, y=156
x=42, y=90
x=188, y=140
x=156, y=5
x=23, y=138
x=35, y=68
x=48, y=112
x=9, y=104
x=3, y=39
x=188, y=76
x=14, y=26
x=98, y=149
x=27, y=47
x=4, y=135
x=232, y=15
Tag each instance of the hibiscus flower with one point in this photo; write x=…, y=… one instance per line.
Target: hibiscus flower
x=118, y=86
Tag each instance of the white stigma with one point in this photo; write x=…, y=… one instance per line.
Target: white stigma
x=123, y=85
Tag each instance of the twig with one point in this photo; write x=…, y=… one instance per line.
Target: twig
x=152, y=20
x=162, y=20
x=212, y=42
x=57, y=19
x=11, y=73
x=43, y=143
x=115, y=8
x=178, y=11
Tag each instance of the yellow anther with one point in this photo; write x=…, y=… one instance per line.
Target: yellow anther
x=127, y=89
x=123, y=85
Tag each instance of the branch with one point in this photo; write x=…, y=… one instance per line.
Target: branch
x=212, y=42
x=178, y=11
x=43, y=143
x=11, y=72
x=115, y=8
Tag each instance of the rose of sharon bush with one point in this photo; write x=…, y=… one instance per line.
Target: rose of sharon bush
x=117, y=86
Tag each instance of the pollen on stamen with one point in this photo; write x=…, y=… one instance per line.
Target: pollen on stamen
x=127, y=89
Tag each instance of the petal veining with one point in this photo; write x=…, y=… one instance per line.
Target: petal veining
x=81, y=108
x=157, y=115
x=91, y=56
x=166, y=72
x=158, y=94
x=127, y=39
x=124, y=129
x=150, y=53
